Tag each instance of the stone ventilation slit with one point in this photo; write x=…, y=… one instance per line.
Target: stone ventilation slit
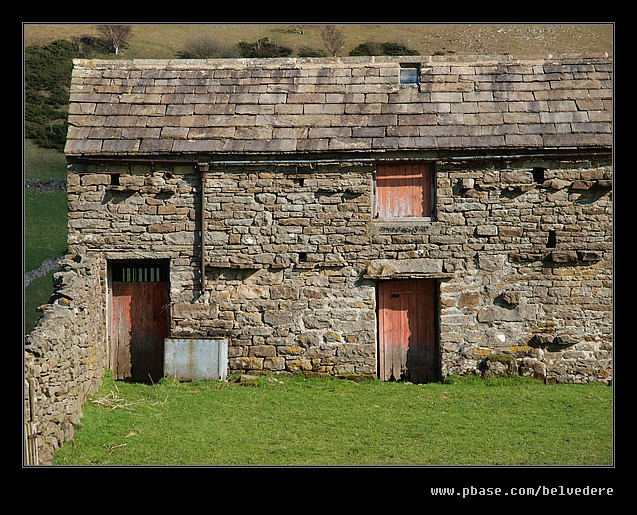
x=302, y=257
x=552, y=241
x=538, y=175
x=114, y=179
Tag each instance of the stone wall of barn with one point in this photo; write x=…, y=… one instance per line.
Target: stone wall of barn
x=531, y=251
x=522, y=252
x=286, y=255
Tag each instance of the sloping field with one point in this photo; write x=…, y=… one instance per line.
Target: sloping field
x=167, y=40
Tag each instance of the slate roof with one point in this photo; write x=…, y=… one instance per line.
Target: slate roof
x=301, y=105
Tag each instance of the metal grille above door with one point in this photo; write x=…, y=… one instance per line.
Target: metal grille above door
x=139, y=272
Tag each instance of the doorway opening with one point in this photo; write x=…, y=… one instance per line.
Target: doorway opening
x=407, y=331
x=139, y=318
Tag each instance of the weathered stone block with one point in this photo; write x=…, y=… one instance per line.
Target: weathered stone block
x=284, y=291
x=517, y=177
x=508, y=232
x=491, y=263
x=160, y=228
x=199, y=311
x=498, y=314
x=180, y=238
x=487, y=230
x=245, y=363
x=262, y=351
x=563, y=256
x=466, y=183
x=469, y=300
x=95, y=179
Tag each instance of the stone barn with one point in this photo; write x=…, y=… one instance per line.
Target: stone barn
x=400, y=218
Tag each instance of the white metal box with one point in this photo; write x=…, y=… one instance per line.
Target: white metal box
x=189, y=359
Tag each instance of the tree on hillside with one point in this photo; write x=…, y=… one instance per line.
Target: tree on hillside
x=47, y=79
x=333, y=39
x=115, y=35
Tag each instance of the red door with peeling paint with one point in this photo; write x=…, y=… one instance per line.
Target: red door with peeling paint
x=139, y=326
x=403, y=190
x=407, y=330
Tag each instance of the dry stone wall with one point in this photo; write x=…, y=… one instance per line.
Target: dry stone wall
x=522, y=252
x=65, y=356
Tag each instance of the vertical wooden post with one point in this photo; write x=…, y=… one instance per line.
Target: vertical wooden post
x=31, y=431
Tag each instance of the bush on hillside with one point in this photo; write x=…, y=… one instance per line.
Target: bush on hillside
x=263, y=48
x=206, y=48
x=387, y=48
x=311, y=52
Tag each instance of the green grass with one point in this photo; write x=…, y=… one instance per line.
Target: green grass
x=45, y=212
x=299, y=421
x=44, y=224
x=45, y=227
x=36, y=294
x=43, y=163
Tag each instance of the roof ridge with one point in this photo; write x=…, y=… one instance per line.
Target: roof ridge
x=345, y=60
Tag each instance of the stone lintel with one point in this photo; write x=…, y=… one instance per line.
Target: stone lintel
x=405, y=269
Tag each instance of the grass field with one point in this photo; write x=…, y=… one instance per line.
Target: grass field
x=44, y=224
x=283, y=420
x=166, y=40
x=45, y=232
x=45, y=212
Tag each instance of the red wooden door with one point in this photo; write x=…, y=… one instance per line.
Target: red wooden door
x=139, y=326
x=403, y=190
x=406, y=328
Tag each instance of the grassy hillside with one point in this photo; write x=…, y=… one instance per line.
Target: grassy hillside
x=167, y=40
x=45, y=224
x=43, y=163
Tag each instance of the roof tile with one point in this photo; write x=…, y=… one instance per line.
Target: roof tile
x=149, y=107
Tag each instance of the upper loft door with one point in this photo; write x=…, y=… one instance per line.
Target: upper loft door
x=404, y=191
x=407, y=330
x=139, y=300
